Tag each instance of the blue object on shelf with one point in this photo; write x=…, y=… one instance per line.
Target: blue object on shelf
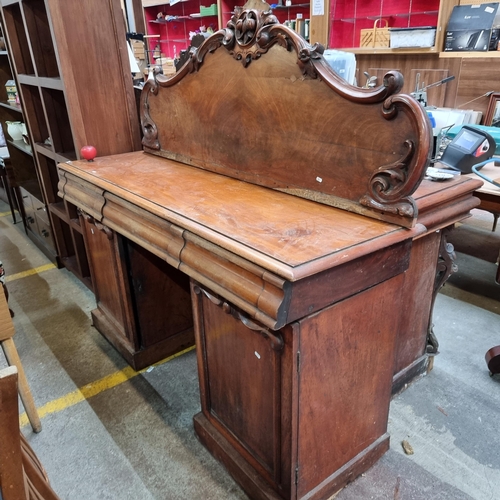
x=432, y=119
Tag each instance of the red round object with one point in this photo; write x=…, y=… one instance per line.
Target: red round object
x=88, y=152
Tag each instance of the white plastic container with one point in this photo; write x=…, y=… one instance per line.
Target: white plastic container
x=343, y=63
x=421, y=37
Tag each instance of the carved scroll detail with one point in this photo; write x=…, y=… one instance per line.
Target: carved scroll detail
x=391, y=186
x=387, y=185
x=250, y=33
x=275, y=339
x=99, y=226
x=445, y=268
x=149, y=128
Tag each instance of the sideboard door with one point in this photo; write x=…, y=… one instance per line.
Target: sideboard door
x=143, y=303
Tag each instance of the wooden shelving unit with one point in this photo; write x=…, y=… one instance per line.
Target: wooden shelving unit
x=349, y=17
x=171, y=32
x=21, y=167
x=76, y=89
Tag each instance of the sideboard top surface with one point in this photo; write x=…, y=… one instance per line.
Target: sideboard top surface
x=291, y=230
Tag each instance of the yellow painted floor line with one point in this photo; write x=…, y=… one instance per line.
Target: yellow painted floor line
x=89, y=390
x=3, y=214
x=29, y=272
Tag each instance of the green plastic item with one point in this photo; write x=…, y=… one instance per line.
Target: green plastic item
x=493, y=131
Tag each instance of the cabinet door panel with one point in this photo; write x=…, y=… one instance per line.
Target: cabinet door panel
x=246, y=385
x=109, y=280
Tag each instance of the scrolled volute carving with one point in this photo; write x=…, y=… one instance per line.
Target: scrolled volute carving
x=391, y=186
x=387, y=185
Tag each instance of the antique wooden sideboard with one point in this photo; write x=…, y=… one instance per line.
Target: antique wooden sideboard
x=288, y=209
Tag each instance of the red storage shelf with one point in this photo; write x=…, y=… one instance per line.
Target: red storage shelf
x=173, y=33
x=349, y=17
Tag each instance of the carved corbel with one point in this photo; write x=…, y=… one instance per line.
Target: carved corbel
x=274, y=338
x=445, y=268
x=98, y=225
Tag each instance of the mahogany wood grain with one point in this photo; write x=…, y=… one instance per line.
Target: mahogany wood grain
x=157, y=286
x=110, y=279
x=271, y=238
x=417, y=297
x=298, y=306
x=289, y=230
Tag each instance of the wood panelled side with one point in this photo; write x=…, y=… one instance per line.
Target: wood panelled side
x=417, y=299
x=345, y=383
x=246, y=386
x=109, y=279
x=477, y=77
x=96, y=74
x=320, y=26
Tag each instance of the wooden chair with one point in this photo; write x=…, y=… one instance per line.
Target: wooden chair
x=22, y=476
x=6, y=333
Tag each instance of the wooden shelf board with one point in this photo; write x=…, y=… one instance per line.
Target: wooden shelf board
x=374, y=18
x=6, y=3
x=75, y=224
x=293, y=6
x=384, y=50
x=33, y=188
x=45, y=150
x=66, y=156
x=470, y=55
x=14, y=107
x=41, y=81
x=22, y=146
x=59, y=210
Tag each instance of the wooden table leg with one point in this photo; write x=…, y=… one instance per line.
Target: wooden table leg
x=10, y=351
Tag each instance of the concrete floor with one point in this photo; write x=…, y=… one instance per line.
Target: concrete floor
x=111, y=433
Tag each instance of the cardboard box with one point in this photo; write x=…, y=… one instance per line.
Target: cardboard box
x=167, y=64
x=470, y=27
x=138, y=49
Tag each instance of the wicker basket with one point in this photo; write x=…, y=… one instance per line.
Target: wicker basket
x=378, y=36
